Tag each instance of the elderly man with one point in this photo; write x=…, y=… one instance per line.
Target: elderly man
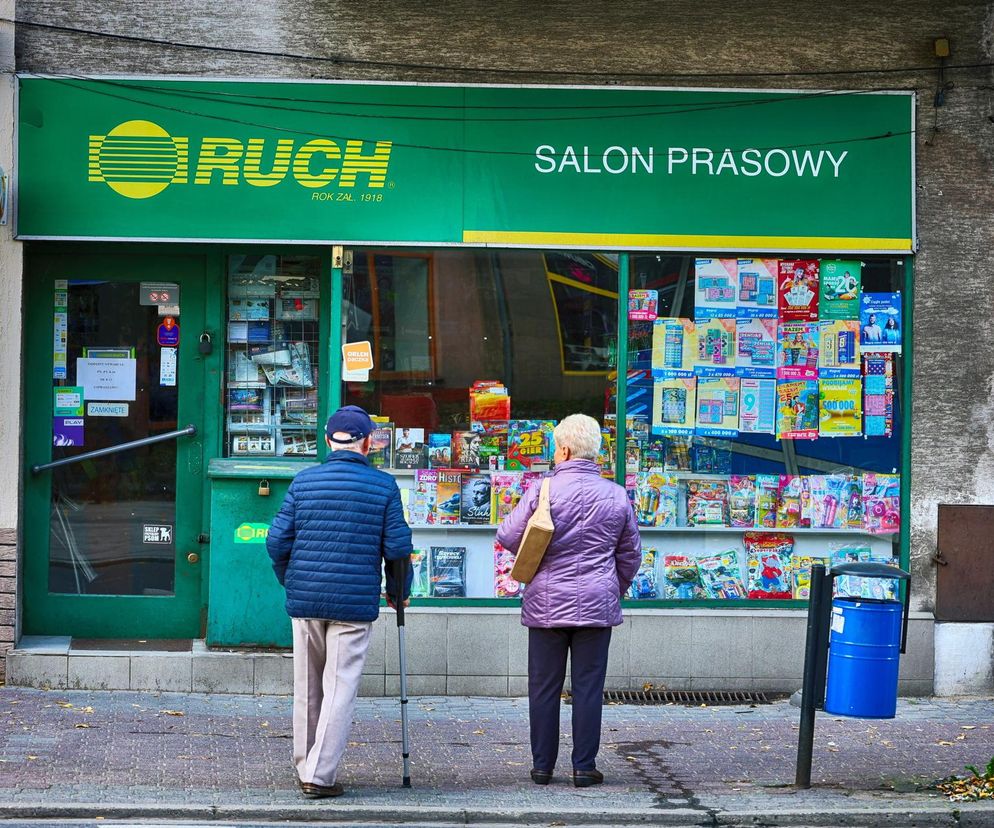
x=329, y=542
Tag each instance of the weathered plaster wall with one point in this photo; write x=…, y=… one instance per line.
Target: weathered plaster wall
x=552, y=42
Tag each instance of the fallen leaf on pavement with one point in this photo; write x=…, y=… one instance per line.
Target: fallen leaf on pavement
x=64, y=704
x=173, y=712
x=82, y=725
x=967, y=727
x=479, y=732
x=944, y=743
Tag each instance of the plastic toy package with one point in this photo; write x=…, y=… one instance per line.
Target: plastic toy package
x=711, y=456
x=678, y=453
x=853, y=586
x=707, y=503
x=655, y=499
x=504, y=585
x=789, y=515
x=800, y=574
x=769, y=559
x=421, y=584
x=767, y=500
x=881, y=503
x=742, y=500
x=644, y=586
x=827, y=500
x=681, y=579
x=721, y=575
x=506, y=491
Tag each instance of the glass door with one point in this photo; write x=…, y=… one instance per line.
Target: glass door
x=114, y=445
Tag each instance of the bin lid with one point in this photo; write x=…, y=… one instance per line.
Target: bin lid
x=870, y=570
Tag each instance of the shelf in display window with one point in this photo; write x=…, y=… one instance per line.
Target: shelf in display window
x=731, y=530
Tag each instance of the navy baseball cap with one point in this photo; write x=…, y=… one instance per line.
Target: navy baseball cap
x=351, y=420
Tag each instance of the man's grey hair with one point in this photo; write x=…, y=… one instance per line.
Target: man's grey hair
x=355, y=445
x=580, y=434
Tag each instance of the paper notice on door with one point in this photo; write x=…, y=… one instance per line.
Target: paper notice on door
x=167, y=366
x=60, y=336
x=107, y=379
x=357, y=361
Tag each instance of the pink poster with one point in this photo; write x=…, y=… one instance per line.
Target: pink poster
x=798, y=290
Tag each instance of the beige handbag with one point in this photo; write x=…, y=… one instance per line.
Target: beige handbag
x=535, y=540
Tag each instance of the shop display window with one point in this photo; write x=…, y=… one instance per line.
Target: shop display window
x=273, y=355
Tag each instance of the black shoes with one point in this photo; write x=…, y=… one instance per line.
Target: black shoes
x=541, y=777
x=586, y=778
x=314, y=791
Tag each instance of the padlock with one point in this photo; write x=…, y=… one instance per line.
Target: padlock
x=263, y=488
x=206, y=346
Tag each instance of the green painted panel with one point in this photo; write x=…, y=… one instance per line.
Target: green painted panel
x=534, y=166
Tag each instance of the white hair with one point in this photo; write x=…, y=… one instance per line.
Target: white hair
x=580, y=434
x=354, y=445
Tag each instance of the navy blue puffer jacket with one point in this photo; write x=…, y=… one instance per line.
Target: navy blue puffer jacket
x=328, y=541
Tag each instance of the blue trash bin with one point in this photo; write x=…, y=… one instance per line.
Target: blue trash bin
x=863, y=658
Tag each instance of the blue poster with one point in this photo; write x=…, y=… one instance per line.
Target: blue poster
x=880, y=324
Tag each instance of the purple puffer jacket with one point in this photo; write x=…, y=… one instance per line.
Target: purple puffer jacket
x=594, y=553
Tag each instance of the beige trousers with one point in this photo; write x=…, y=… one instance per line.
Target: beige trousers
x=327, y=664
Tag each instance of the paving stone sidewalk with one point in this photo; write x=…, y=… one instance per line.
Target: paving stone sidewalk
x=165, y=753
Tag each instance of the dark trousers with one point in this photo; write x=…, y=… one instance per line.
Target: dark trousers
x=547, y=650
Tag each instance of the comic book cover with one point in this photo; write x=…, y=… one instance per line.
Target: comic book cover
x=721, y=575
x=674, y=406
x=656, y=499
x=767, y=500
x=506, y=491
x=881, y=502
x=421, y=585
x=715, y=348
x=717, y=406
x=757, y=287
x=716, y=287
x=841, y=406
x=797, y=350
x=880, y=322
x=797, y=409
x=504, y=585
x=840, y=289
x=756, y=347
x=381, y=450
x=707, y=503
x=409, y=448
x=798, y=290
x=878, y=395
x=674, y=344
x=439, y=451
x=742, y=500
x=448, y=496
x=768, y=566
x=758, y=406
x=475, y=499
x=529, y=442
x=424, y=497
x=447, y=570
x=466, y=449
x=644, y=587
x=839, y=353
x=681, y=579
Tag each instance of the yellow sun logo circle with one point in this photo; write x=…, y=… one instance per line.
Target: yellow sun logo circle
x=137, y=159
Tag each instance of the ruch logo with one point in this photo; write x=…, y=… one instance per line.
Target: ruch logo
x=139, y=159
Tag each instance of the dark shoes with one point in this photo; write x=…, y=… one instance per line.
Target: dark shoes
x=314, y=791
x=541, y=777
x=586, y=778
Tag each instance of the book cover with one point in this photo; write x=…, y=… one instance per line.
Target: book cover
x=717, y=407
x=798, y=290
x=715, y=347
x=424, y=497
x=758, y=408
x=381, y=448
x=439, y=450
x=768, y=564
x=797, y=410
x=797, y=350
x=674, y=347
x=489, y=400
x=506, y=491
x=409, y=448
x=880, y=322
x=756, y=347
x=841, y=404
x=838, y=352
x=448, y=496
x=529, y=442
x=840, y=289
x=466, y=449
x=504, y=585
x=757, y=288
x=475, y=499
x=674, y=406
x=447, y=570
x=716, y=286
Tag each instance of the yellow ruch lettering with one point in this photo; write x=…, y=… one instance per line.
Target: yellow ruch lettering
x=302, y=163
x=221, y=154
x=280, y=166
x=375, y=165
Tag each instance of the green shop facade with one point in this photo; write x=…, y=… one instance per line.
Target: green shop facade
x=212, y=267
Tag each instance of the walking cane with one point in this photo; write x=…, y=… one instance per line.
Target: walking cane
x=400, y=577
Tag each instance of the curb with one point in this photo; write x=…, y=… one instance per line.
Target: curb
x=968, y=815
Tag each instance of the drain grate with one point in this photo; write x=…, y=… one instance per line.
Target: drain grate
x=687, y=697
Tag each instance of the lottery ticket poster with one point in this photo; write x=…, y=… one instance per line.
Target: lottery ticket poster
x=878, y=395
x=757, y=295
x=840, y=283
x=756, y=347
x=715, y=347
x=674, y=406
x=758, y=407
x=717, y=407
x=798, y=290
x=716, y=286
x=797, y=410
x=673, y=347
x=841, y=407
x=838, y=355
x=797, y=350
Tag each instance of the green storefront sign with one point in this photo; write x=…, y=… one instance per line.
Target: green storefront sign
x=471, y=165
x=251, y=533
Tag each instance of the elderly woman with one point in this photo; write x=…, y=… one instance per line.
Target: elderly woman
x=575, y=597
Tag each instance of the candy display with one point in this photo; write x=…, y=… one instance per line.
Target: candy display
x=644, y=585
x=768, y=557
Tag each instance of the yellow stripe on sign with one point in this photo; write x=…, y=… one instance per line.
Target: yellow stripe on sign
x=701, y=242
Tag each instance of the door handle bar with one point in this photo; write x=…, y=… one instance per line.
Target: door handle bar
x=90, y=455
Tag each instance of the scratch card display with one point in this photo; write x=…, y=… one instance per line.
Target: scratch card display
x=448, y=571
x=707, y=503
x=674, y=406
x=715, y=347
x=504, y=585
x=681, y=579
x=838, y=355
x=798, y=290
x=768, y=558
x=797, y=410
x=878, y=395
x=758, y=406
x=656, y=499
x=881, y=503
x=797, y=350
x=644, y=586
x=841, y=404
x=756, y=348
x=643, y=305
x=758, y=288
x=718, y=406
x=716, y=285
x=840, y=288
x=721, y=575
x=880, y=322
x=674, y=347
